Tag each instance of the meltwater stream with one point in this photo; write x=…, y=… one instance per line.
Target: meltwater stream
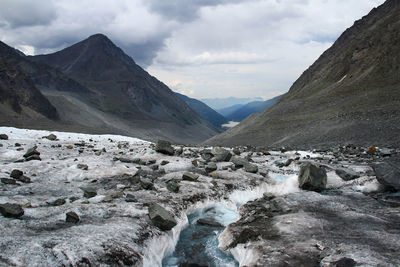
x=198, y=242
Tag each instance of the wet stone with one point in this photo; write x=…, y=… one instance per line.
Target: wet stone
x=3, y=137
x=161, y=218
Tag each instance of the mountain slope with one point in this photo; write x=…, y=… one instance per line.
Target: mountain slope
x=204, y=111
x=124, y=90
x=351, y=94
x=246, y=110
x=220, y=103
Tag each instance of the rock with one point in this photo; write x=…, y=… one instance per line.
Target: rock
x=129, y=160
x=58, y=202
x=83, y=167
x=312, y=177
x=236, y=151
x=252, y=168
x=3, y=137
x=72, y=217
x=164, y=162
x=173, y=186
x=33, y=157
x=146, y=184
x=161, y=218
x=31, y=151
x=385, y=152
x=211, y=167
x=130, y=198
x=51, y=137
x=179, y=151
x=164, y=147
x=8, y=181
x=345, y=262
x=24, y=179
x=239, y=162
x=11, y=210
x=188, y=176
x=206, y=154
x=266, y=152
x=195, y=163
x=16, y=174
x=221, y=154
x=347, y=174
x=209, y=222
x=70, y=146
x=371, y=150
x=388, y=174
x=283, y=163
x=89, y=192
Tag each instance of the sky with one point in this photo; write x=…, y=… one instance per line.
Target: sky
x=201, y=48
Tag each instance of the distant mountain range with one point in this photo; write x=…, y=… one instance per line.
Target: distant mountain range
x=220, y=103
x=93, y=86
x=239, y=112
x=350, y=95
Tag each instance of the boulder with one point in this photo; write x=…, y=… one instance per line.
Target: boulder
x=83, y=167
x=130, y=198
x=209, y=221
x=206, y=154
x=89, y=192
x=164, y=162
x=8, y=181
x=33, y=157
x=347, y=174
x=3, y=137
x=211, y=167
x=129, y=160
x=164, y=147
x=31, y=151
x=72, y=217
x=11, y=210
x=58, y=202
x=16, y=174
x=312, y=177
x=173, y=186
x=252, y=168
x=345, y=262
x=283, y=163
x=161, y=218
x=189, y=176
x=221, y=154
x=239, y=162
x=146, y=184
x=51, y=137
x=24, y=179
x=388, y=174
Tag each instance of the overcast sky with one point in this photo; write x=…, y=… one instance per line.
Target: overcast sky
x=202, y=48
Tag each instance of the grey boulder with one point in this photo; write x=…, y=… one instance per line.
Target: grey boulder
x=164, y=147
x=188, y=176
x=161, y=218
x=11, y=210
x=388, y=174
x=347, y=174
x=221, y=154
x=312, y=177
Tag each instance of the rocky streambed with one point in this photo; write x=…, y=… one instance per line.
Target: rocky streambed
x=71, y=199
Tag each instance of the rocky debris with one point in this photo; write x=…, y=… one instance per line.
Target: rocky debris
x=252, y=168
x=173, y=186
x=89, y=192
x=221, y=154
x=82, y=166
x=347, y=174
x=211, y=167
x=164, y=147
x=239, y=162
x=9, y=181
x=11, y=210
x=51, y=137
x=283, y=163
x=189, y=176
x=58, y=202
x=72, y=217
x=312, y=177
x=19, y=175
x=161, y=218
x=388, y=174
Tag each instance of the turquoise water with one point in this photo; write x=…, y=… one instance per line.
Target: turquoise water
x=198, y=244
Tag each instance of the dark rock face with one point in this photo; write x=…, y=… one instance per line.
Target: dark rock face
x=72, y=217
x=388, y=174
x=347, y=174
x=312, y=177
x=11, y=210
x=161, y=218
x=164, y=147
x=350, y=94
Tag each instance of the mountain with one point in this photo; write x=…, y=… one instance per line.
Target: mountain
x=229, y=110
x=123, y=97
x=204, y=111
x=219, y=103
x=240, y=112
x=351, y=94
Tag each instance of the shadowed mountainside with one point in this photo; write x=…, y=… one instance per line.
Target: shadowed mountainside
x=349, y=95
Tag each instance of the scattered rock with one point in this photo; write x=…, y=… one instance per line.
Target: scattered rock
x=347, y=174
x=89, y=192
x=179, y=151
x=312, y=177
x=16, y=173
x=385, y=152
x=161, y=218
x=211, y=167
x=83, y=167
x=173, y=186
x=31, y=152
x=164, y=162
x=3, y=137
x=11, y=210
x=51, y=137
x=188, y=176
x=221, y=154
x=388, y=174
x=58, y=202
x=266, y=153
x=252, y=168
x=8, y=181
x=72, y=217
x=164, y=147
